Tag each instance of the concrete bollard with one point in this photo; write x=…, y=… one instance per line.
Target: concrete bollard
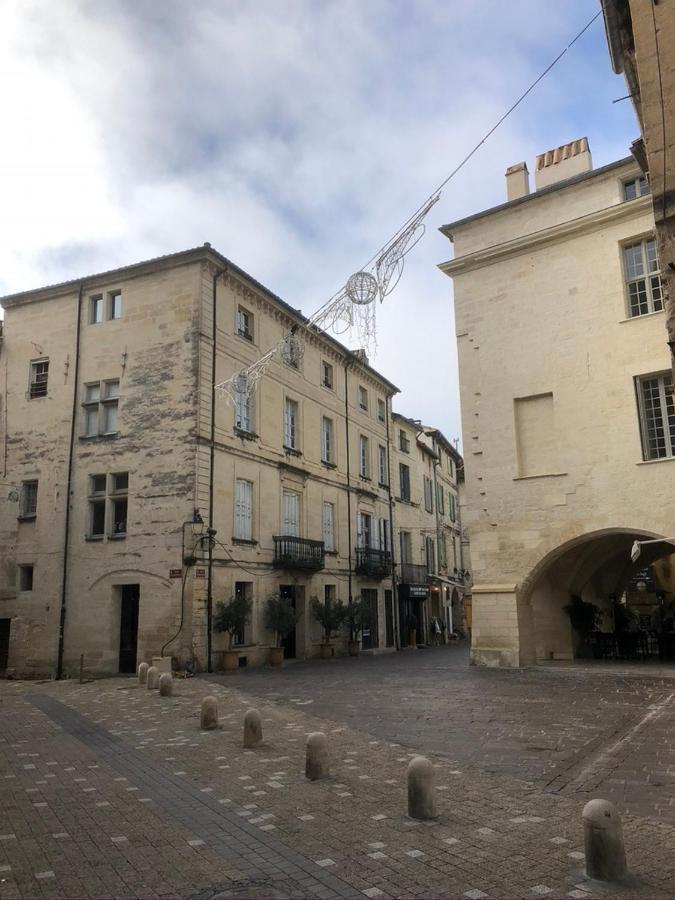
x=603, y=841
x=165, y=685
x=209, y=714
x=252, y=729
x=143, y=673
x=317, y=763
x=421, y=789
x=152, y=679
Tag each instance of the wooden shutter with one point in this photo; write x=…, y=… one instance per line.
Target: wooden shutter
x=243, y=510
x=291, y=514
x=328, y=532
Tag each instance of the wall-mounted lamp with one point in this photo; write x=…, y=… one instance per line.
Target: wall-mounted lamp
x=671, y=344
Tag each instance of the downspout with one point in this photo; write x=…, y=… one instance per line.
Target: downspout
x=394, y=593
x=69, y=481
x=212, y=462
x=349, y=489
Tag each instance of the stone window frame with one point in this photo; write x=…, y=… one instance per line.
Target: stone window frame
x=662, y=403
x=651, y=293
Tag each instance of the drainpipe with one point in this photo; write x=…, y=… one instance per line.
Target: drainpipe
x=438, y=520
x=349, y=486
x=69, y=481
x=212, y=461
x=394, y=592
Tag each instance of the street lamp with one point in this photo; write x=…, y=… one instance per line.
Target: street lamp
x=636, y=549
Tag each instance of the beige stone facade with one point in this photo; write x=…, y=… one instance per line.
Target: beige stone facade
x=567, y=409
x=114, y=413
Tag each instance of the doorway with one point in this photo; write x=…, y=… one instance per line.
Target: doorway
x=389, y=617
x=369, y=635
x=289, y=643
x=129, y=627
x=5, y=625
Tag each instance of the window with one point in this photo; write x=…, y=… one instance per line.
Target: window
x=327, y=375
x=442, y=552
x=244, y=323
x=657, y=416
x=381, y=410
x=100, y=407
x=108, y=503
x=382, y=534
x=450, y=467
x=242, y=589
x=382, y=465
x=404, y=478
x=440, y=499
x=428, y=494
x=25, y=578
x=290, y=512
x=431, y=561
x=636, y=187
x=96, y=309
x=643, y=282
x=452, y=509
x=243, y=410
x=406, y=547
x=403, y=442
x=291, y=435
x=329, y=527
x=39, y=374
x=363, y=398
x=364, y=457
x=115, y=305
x=365, y=530
x=327, y=448
x=243, y=510
x=29, y=491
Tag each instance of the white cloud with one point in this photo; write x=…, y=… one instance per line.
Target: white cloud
x=295, y=136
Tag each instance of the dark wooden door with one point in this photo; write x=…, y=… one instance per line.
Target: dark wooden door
x=5, y=625
x=369, y=635
x=129, y=627
x=289, y=643
x=389, y=617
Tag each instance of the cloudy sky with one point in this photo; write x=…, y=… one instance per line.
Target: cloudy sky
x=294, y=135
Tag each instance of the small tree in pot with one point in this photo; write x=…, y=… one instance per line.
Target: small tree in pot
x=331, y=615
x=231, y=618
x=359, y=616
x=281, y=618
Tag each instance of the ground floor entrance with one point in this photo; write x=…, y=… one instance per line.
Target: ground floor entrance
x=129, y=598
x=5, y=626
x=371, y=630
x=290, y=642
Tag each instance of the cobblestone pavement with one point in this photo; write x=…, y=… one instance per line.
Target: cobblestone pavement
x=576, y=730
x=108, y=790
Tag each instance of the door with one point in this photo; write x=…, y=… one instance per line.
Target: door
x=369, y=635
x=389, y=617
x=289, y=643
x=129, y=627
x=290, y=514
x=4, y=643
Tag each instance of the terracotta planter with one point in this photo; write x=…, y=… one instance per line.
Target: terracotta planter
x=354, y=648
x=230, y=660
x=326, y=651
x=276, y=656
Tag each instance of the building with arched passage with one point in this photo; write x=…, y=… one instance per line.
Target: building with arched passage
x=567, y=400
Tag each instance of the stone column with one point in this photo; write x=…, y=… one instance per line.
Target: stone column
x=153, y=679
x=209, y=714
x=603, y=841
x=143, y=673
x=421, y=789
x=252, y=729
x=165, y=685
x=317, y=764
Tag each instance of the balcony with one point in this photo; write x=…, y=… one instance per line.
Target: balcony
x=411, y=573
x=373, y=563
x=298, y=553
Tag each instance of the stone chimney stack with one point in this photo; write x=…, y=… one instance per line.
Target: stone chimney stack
x=562, y=163
x=517, y=181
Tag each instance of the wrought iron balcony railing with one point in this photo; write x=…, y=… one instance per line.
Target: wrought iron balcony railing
x=298, y=553
x=411, y=573
x=373, y=563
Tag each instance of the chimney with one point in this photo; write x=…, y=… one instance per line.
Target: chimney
x=562, y=163
x=517, y=181
x=361, y=356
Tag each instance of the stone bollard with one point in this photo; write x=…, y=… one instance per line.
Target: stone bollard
x=317, y=764
x=603, y=841
x=165, y=685
x=421, y=789
x=143, y=673
x=252, y=729
x=152, y=682
x=209, y=714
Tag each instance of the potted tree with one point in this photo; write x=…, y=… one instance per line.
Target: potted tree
x=584, y=619
x=359, y=616
x=231, y=617
x=331, y=615
x=281, y=618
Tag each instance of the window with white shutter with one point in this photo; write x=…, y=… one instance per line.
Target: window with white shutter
x=329, y=526
x=365, y=530
x=364, y=457
x=291, y=514
x=291, y=437
x=382, y=465
x=243, y=510
x=243, y=410
x=327, y=451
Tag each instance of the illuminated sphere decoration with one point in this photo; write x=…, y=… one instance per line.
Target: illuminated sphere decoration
x=361, y=288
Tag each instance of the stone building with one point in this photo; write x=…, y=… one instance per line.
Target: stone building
x=119, y=457
x=567, y=403
x=641, y=40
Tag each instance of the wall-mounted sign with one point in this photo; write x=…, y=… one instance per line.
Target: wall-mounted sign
x=420, y=591
x=175, y=573
x=200, y=573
